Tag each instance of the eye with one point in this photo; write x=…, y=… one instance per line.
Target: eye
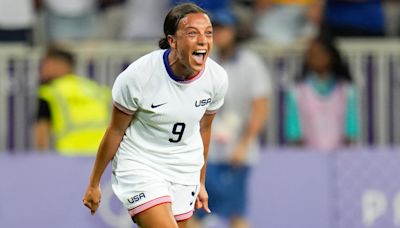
x=209, y=33
x=192, y=33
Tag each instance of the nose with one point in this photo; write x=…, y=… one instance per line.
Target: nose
x=201, y=39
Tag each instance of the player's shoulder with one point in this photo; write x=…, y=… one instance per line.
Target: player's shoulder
x=216, y=71
x=140, y=70
x=147, y=62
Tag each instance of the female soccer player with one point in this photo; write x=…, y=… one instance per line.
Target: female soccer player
x=158, y=137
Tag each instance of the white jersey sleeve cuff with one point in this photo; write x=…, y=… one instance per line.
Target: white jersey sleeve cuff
x=123, y=109
x=210, y=112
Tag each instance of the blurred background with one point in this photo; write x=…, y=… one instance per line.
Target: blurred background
x=329, y=145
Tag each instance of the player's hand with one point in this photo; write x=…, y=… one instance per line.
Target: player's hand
x=202, y=199
x=92, y=198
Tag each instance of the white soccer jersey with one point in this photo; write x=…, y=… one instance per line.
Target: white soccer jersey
x=164, y=136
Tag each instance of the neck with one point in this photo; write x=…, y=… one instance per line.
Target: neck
x=322, y=75
x=180, y=70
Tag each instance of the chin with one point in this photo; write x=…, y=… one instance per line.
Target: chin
x=197, y=69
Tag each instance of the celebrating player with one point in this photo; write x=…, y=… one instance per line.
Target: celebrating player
x=158, y=137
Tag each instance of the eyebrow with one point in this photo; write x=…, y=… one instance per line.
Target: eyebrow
x=191, y=27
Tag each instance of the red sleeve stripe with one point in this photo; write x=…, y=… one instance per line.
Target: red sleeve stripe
x=123, y=109
x=210, y=112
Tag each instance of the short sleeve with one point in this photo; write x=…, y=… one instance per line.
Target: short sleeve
x=43, y=110
x=220, y=93
x=126, y=92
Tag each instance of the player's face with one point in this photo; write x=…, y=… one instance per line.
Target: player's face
x=193, y=42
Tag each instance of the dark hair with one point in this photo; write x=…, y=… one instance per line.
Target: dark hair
x=60, y=53
x=339, y=68
x=172, y=20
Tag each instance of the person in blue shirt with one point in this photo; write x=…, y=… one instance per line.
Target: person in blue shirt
x=354, y=18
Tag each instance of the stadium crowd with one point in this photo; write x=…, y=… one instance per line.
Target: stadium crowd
x=40, y=22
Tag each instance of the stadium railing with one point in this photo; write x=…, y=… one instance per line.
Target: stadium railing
x=374, y=64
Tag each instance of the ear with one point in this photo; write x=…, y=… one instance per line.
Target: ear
x=172, y=41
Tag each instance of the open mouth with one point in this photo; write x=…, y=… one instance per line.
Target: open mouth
x=199, y=55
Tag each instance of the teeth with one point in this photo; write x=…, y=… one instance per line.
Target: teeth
x=200, y=52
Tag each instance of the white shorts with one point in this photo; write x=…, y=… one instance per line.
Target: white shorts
x=139, y=192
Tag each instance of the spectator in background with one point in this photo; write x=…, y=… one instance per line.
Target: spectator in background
x=209, y=5
x=110, y=19
x=73, y=111
x=70, y=20
x=241, y=8
x=354, y=18
x=321, y=109
x=234, y=146
x=287, y=21
x=143, y=19
x=17, y=18
x=392, y=17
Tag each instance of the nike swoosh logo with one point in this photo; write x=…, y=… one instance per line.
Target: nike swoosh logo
x=155, y=106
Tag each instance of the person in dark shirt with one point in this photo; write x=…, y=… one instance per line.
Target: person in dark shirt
x=354, y=18
x=72, y=111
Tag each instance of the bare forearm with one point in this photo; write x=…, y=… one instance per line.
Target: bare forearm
x=206, y=140
x=256, y=121
x=110, y=143
x=253, y=129
x=42, y=135
x=108, y=147
x=205, y=131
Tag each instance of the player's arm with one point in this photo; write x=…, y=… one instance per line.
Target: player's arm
x=205, y=131
x=108, y=147
x=255, y=123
